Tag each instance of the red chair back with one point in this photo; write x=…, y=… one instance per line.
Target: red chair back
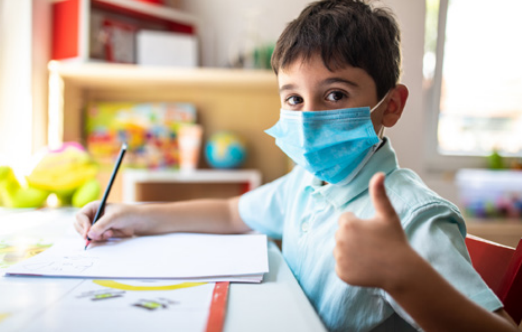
x=501, y=268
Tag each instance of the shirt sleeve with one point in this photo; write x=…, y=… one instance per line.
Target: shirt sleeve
x=263, y=209
x=437, y=233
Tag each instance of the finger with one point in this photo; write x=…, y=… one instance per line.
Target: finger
x=82, y=224
x=90, y=209
x=79, y=229
x=119, y=233
x=345, y=217
x=336, y=253
x=380, y=200
x=101, y=226
x=107, y=234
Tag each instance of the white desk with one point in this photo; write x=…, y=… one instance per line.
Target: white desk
x=277, y=304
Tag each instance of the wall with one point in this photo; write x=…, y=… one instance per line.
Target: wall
x=223, y=25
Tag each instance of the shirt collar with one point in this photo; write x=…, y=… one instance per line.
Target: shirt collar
x=383, y=160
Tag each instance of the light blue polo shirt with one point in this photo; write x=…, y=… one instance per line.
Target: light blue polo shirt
x=304, y=213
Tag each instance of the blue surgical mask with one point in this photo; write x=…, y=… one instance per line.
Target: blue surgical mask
x=332, y=145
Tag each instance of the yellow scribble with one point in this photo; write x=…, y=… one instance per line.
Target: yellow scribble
x=121, y=286
x=3, y=316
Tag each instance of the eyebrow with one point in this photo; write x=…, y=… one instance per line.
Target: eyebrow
x=339, y=80
x=328, y=81
x=287, y=87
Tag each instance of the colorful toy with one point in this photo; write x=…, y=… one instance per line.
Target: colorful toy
x=13, y=195
x=67, y=172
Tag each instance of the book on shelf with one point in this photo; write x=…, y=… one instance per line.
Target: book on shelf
x=149, y=129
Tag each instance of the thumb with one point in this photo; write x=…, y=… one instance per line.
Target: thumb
x=380, y=200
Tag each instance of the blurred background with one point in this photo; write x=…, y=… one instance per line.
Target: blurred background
x=188, y=85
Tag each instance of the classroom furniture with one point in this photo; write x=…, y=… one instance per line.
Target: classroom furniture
x=75, y=23
x=242, y=101
x=144, y=185
x=501, y=268
x=276, y=304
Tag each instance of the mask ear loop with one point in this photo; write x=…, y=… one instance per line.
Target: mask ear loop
x=380, y=102
x=381, y=131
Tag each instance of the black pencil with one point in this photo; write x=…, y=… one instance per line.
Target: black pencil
x=107, y=190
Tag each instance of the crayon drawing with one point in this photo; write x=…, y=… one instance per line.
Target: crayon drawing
x=101, y=295
x=154, y=304
x=145, y=307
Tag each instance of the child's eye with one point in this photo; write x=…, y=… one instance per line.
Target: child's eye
x=336, y=96
x=294, y=100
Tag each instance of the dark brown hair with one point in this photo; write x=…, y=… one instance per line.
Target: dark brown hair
x=344, y=32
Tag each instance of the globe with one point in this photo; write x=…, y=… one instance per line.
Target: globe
x=225, y=150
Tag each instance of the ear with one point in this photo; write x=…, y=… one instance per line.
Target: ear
x=395, y=106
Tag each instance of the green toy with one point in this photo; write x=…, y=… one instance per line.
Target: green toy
x=13, y=195
x=68, y=172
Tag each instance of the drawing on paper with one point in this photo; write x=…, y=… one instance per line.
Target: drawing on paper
x=12, y=253
x=177, y=310
x=100, y=295
x=75, y=263
x=154, y=304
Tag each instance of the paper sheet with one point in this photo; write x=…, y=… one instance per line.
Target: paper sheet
x=171, y=256
x=128, y=305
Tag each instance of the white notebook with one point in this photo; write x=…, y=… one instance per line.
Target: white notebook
x=171, y=256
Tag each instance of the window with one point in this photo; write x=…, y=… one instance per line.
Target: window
x=473, y=75
x=24, y=54
x=15, y=82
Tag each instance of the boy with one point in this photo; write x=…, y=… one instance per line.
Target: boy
x=337, y=60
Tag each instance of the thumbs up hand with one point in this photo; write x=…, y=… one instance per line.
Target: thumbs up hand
x=370, y=253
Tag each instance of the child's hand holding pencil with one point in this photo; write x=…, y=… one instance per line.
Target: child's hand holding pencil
x=101, y=205
x=118, y=220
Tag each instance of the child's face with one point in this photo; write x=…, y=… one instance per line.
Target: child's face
x=310, y=86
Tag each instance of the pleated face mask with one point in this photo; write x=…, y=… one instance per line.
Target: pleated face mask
x=332, y=145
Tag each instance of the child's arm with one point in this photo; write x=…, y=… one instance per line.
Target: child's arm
x=376, y=253
x=118, y=220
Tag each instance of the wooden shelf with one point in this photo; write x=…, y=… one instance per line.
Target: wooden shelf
x=95, y=75
x=132, y=179
x=242, y=101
